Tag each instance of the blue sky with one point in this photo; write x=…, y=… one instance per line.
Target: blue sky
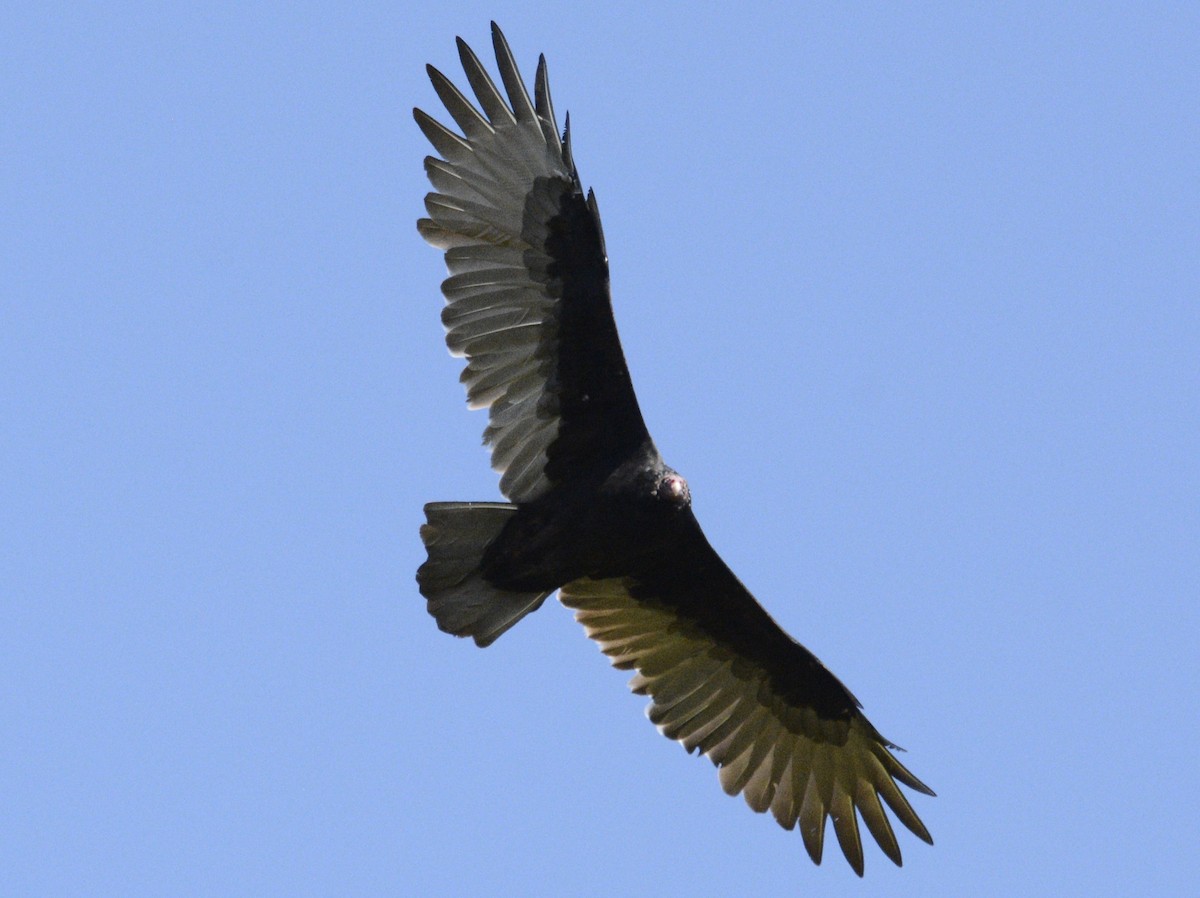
x=909, y=295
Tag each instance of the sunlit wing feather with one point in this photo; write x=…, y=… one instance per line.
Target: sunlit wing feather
x=497, y=186
x=781, y=756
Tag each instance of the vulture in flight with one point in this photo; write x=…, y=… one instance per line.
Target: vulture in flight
x=593, y=510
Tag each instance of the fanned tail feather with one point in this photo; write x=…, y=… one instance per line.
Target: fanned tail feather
x=456, y=534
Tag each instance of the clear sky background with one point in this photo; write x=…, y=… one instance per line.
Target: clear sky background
x=909, y=294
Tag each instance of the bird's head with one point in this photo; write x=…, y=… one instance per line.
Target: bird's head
x=673, y=489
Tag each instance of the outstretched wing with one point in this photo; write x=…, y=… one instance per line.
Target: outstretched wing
x=527, y=300
x=727, y=681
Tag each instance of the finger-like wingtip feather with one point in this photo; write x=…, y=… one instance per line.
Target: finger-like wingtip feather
x=568, y=154
x=518, y=96
x=465, y=115
x=545, y=107
x=485, y=89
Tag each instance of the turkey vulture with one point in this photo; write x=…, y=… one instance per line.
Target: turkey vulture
x=594, y=512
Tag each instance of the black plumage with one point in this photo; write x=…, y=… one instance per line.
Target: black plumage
x=595, y=512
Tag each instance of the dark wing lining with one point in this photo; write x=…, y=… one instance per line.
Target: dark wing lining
x=725, y=680
x=527, y=300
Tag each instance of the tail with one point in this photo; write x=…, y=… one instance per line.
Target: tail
x=460, y=599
